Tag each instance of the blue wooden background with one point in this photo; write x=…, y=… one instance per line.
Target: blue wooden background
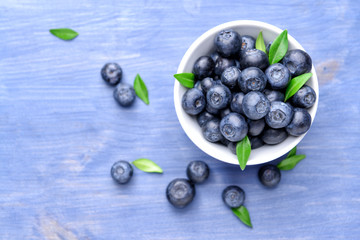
x=61, y=130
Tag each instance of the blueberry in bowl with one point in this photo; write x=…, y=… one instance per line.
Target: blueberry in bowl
x=268, y=143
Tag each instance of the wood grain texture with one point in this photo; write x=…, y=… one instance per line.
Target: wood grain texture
x=61, y=130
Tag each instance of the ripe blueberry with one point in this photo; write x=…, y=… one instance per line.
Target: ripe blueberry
x=256, y=127
x=211, y=130
x=230, y=77
x=218, y=96
x=273, y=95
x=278, y=76
x=252, y=79
x=233, y=196
x=255, y=105
x=222, y=64
x=280, y=114
x=180, y=192
x=304, y=98
x=233, y=127
x=273, y=136
x=124, y=94
x=236, y=102
x=269, y=175
x=254, y=58
x=228, y=43
x=111, y=73
x=121, y=172
x=300, y=123
x=297, y=61
x=204, y=117
x=203, y=67
x=193, y=101
x=197, y=171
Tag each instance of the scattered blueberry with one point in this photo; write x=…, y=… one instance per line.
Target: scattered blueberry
x=124, y=94
x=218, y=96
x=254, y=58
x=111, y=73
x=204, y=117
x=252, y=79
x=230, y=77
x=300, y=123
x=256, y=127
x=203, y=67
x=197, y=171
x=193, y=101
x=180, y=192
x=233, y=127
x=273, y=136
x=278, y=76
x=211, y=130
x=274, y=95
x=304, y=98
x=280, y=114
x=206, y=84
x=269, y=175
x=256, y=142
x=248, y=42
x=222, y=64
x=228, y=43
x=255, y=105
x=297, y=61
x=121, y=172
x=233, y=196
x=236, y=102
x=224, y=112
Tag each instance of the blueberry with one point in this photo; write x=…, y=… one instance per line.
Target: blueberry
x=198, y=86
x=180, y=192
x=236, y=102
x=304, y=98
x=280, y=114
x=228, y=43
x=256, y=127
x=203, y=67
x=230, y=77
x=222, y=64
x=212, y=110
x=232, y=147
x=121, y=172
x=204, y=117
x=254, y=58
x=211, y=130
x=256, y=142
x=206, y=84
x=273, y=136
x=224, y=112
x=300, y=123
x=197, y=171
x=193, y=101
x=218, y=96
x=252, y=79
x=278, y=76
x=268, y=47
x=124, y=94
x=215, y=55
x=111, y=73
x=297, y=61
x=255, y=105
x=233, y=196
x=248, y=42
x=233, y=127
x=269, y=175
x=273, y=95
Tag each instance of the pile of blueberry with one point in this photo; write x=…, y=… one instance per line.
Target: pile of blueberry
x=238, y=93
x=124, y=93
x=181, y=191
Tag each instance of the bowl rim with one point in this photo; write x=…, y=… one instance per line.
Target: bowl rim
x=185, y=59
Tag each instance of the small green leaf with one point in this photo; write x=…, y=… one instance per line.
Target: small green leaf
x=295, y=84
x=260, y=44
x=290, y=163
x=186, y=79
x=278, y=48
x=243, y=214
x=243, y=150
x=140, y=89
x=64, y=33
x=292, y=152
x=147, y=165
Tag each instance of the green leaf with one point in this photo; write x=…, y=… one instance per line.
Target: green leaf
x=295, y=84
x=147, y=165
x=278, y=48
x=290, y=163
x=64, y=33
x=260, y=44
x=186, y=79
x=292, y=152
x=140, y=89
x=243, y=150
x=243, y=214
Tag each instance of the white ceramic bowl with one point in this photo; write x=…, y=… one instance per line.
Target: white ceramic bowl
x=204, y=45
